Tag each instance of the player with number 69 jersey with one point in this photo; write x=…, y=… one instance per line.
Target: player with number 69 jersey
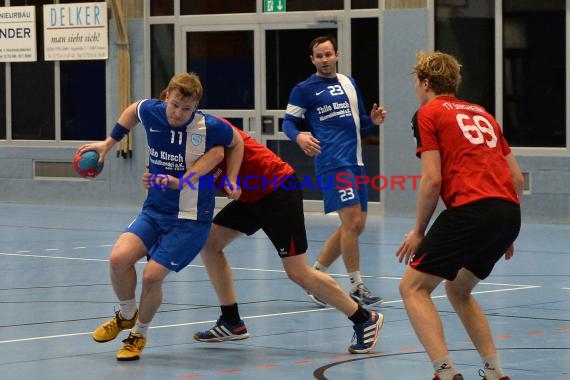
x=472, y=149
x=467, y=162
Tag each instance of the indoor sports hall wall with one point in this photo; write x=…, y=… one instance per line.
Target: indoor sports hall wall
x=403, y=32
x=118, y=184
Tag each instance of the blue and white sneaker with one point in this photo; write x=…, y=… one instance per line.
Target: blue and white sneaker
x=223, y=332
x=364, y=297
x=366, y=334
x=319, y=302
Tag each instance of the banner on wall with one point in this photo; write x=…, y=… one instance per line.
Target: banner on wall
x=18, y=34
x=75, y=31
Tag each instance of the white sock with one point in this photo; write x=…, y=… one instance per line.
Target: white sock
x=492, y=367
x=128, y=308
x=319, y=266
x=141, y=328
x=355, y=279
x=445, y=368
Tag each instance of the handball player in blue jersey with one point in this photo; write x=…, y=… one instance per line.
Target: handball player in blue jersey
x=331, y=105
x=184, y=144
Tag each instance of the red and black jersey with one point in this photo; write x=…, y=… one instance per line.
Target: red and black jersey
x=261, y=171
x=472, y=149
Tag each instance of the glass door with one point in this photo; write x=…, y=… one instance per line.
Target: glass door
x=285, y=62
x=226, y=59
x=248, y=71
x=250, y=60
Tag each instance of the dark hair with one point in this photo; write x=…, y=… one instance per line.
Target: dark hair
x=321, y=39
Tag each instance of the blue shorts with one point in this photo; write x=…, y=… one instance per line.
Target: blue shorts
x=340, y=188
x=170, y=241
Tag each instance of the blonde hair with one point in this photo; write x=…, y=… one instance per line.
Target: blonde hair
x=440, y=69
x=187, y=85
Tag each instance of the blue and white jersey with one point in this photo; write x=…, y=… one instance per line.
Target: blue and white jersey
x=172, y=150
x=334, y=112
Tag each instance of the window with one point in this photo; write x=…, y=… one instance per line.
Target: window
x=197, y=7
x=2, y=101
x=33, y=89
x=224, y=62
x=161, y=56
x=363, y=4
x=279, y=47
x=534, y=73
x=82, y=97
x=365, y=54
x=33, y=105
x=37, y=87
x=533, y=97
x=313, y=5
x=161, y=7
x=467, y=32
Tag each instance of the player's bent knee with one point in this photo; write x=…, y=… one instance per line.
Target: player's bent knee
x=298, y=277
x=403, y=290
x=152, y=280
x=408, y=290
x=455, y=292
x=119, y=261
x=355, y=228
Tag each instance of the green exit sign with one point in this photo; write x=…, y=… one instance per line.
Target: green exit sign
x=271, y=6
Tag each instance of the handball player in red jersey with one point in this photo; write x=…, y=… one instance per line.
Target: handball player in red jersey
x=271, y=199
x=467, y=162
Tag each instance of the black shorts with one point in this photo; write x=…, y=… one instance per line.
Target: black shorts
x=279, y=214
x=474, y=236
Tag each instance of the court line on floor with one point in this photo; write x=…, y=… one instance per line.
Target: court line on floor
x=51, y=257
x=245, y=318
x=320, y=373
x=238, y=268
x=166, y=326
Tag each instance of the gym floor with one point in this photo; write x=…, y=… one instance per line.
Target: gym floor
x=55, y=289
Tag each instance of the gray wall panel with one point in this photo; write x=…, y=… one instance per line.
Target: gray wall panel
x=404, y=33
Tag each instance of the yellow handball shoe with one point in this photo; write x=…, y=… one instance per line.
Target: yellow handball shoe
x=110, y=329
x=132, y=347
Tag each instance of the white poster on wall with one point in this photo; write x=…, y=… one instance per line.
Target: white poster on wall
x=75, y=31
x=18, y=34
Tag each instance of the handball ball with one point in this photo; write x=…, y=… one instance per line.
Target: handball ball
x=87, y=165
